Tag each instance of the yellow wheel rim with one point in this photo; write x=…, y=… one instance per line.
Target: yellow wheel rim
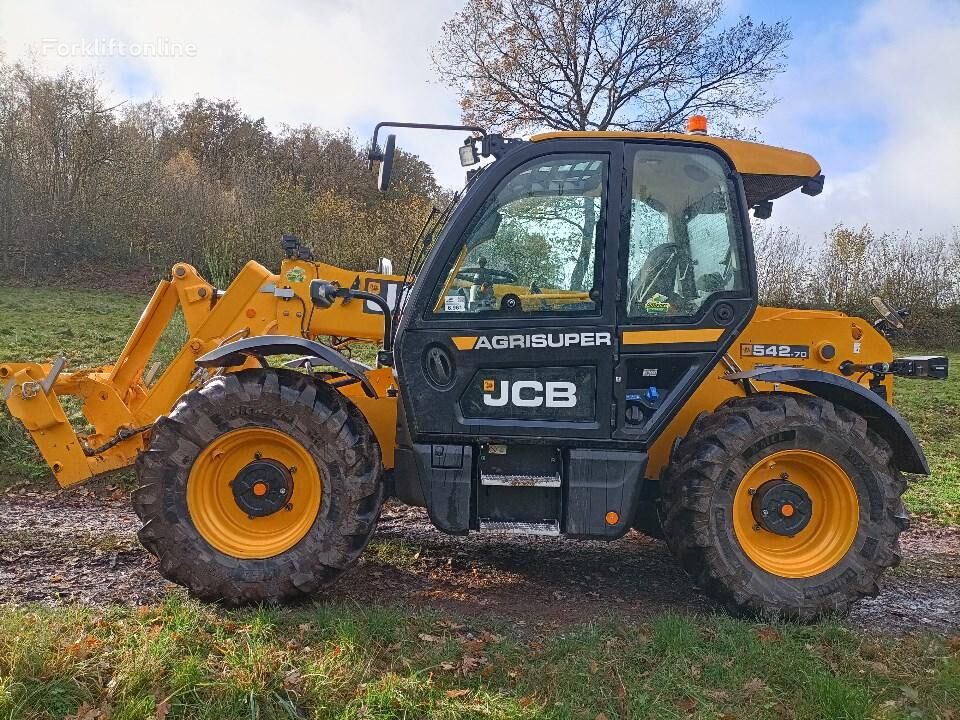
x=288, y=493
x=834, y=515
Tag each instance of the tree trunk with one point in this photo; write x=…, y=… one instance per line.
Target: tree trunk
x=588, y=240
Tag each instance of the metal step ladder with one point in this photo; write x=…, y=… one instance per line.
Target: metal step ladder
x=510, y=527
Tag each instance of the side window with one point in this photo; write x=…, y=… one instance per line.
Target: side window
x=685, y=242
x=532, y=247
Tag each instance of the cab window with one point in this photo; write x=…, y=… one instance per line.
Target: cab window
x=532, y=247
x=685, y=241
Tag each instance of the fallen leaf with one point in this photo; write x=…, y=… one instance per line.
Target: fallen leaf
x=87, y=712
x=293, y=680
x=719, y=696
x=594, y=667
x=687, y=705
x=426, y=637
x=767, y=634
x=526, y=701
x=457, y=693
x=752, y=687
x=162, y=710
x=601, y=716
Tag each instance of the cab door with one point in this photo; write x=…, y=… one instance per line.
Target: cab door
x=687, y=279
x=511, y=330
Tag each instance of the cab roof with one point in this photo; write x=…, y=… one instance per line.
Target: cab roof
x=768, y=171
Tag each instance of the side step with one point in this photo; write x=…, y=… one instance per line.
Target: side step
x=510, y=527
x=507, y=480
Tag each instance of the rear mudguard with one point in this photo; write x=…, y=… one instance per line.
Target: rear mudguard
x=236, y=353
x=880, y=416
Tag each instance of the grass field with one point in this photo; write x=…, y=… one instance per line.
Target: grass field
x=181, y=659
x=197, y=662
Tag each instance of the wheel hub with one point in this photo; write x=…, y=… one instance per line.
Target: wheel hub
x=262, y=488
x=782, y=507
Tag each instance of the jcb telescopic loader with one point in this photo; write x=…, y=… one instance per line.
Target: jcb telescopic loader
x=577, y=351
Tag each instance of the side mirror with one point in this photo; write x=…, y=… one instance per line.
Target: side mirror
x=386, y=163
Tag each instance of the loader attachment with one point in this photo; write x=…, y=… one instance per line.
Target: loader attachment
x=119, y=400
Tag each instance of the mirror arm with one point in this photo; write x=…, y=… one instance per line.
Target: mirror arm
x=375, y=155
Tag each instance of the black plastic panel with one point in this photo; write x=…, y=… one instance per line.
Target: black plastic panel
x=601, y=481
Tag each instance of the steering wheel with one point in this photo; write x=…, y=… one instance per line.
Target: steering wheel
x=484, y=273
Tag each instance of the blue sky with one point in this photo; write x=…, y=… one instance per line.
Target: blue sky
x=872, y=89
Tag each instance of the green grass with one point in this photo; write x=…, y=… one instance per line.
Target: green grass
x=933, y=410
x=380, y=662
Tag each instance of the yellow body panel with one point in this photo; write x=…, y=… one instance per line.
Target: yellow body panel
x=750, y=158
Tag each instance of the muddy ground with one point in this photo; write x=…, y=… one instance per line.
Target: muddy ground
x=81, y=546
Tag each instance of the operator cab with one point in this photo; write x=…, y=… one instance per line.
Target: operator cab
x=578, y=294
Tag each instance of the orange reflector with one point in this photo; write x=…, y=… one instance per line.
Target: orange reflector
x=259, y=489
x=697, y=125
x=787, y=510
x=856, y=332
x=612, y=518
x=251, y=313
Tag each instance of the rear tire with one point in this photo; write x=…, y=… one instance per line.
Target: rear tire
x=296, y=417
x=711, y=520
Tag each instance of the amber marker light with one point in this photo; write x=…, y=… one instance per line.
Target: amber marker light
x=612, y=518
x=697, y=125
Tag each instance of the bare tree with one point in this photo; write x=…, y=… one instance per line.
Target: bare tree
x=522, y=65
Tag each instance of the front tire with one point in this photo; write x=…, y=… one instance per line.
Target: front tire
x=259, y=486
x=784, y=504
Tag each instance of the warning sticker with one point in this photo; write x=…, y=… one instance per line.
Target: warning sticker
x=455, y=303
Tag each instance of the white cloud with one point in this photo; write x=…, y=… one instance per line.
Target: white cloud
x=334, y=63
x=893, y=78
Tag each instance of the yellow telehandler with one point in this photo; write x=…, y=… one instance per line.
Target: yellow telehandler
x=575, y=348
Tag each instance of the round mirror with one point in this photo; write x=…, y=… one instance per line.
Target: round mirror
x=888, y=313
x=386, y=164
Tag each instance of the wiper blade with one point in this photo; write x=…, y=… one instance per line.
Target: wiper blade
x=421, y=245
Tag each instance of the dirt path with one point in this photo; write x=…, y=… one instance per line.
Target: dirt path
x=65, y=546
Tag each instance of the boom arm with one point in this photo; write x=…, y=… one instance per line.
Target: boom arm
x=121, y=401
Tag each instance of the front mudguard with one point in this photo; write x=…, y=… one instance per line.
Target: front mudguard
x=263, y=346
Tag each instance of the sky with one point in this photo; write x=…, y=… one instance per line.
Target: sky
x=872, y=88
